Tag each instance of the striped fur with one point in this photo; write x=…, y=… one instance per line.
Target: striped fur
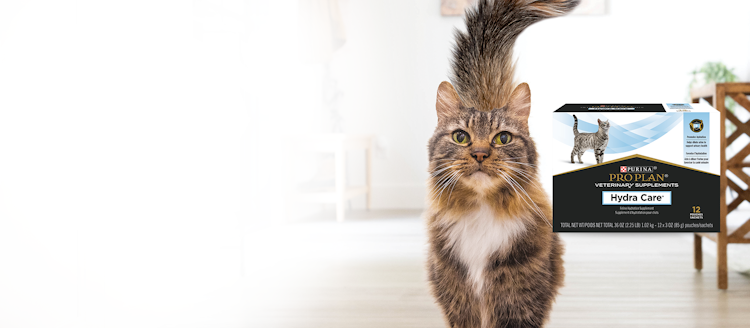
x=482, y=66
x=493, y=259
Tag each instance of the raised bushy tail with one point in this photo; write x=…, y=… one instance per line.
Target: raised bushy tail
x=575, y=125
x=482, y=67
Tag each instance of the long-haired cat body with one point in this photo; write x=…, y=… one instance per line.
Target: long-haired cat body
x=493, y=259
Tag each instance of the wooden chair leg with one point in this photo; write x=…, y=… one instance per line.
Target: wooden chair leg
x=721, y=261
x=697, y=252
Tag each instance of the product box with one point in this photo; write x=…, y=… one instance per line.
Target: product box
x=645, y=168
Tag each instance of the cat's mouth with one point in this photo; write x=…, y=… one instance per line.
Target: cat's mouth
x=480, y=181
x=481, y=169
x=479, y=173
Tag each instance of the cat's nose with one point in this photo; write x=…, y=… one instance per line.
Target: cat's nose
x=479, y=155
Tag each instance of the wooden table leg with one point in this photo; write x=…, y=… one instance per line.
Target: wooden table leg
x=368, y=176
x=340, y=171
x=721, y=261
x=721, y=236
x=697, y=251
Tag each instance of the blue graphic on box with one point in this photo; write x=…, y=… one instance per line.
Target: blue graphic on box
x=622, y=138
x=696, y=145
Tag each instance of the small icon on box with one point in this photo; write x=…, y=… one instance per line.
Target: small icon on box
x=696, y=125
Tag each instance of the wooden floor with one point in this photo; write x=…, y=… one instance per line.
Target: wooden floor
x=368, y=272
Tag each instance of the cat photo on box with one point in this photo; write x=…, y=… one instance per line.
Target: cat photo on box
x=596, y=141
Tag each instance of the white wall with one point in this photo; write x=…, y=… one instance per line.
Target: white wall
x=121, y=127
x=641, y=51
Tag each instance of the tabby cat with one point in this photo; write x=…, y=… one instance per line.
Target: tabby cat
x=493, y=259
x=584, y=141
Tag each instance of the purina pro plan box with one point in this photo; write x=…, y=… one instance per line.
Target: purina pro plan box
x=636, y=168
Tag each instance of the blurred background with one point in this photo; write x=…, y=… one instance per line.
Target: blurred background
x=155, y=155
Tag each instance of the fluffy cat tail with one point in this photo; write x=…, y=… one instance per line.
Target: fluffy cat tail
x=575, y=125
x=482, y=67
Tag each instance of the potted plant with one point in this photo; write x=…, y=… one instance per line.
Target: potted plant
x=716, y=72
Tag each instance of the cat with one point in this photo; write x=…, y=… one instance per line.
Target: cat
x=584, y=141
x=493, y=260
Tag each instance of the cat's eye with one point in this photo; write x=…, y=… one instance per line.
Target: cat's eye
x=461, y=137
x=502, y=138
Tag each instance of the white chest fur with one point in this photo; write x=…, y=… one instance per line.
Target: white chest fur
x=477, y=236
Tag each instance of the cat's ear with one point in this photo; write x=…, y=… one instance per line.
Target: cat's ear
x=598, y=121
x=448, y=103
x=520, y=101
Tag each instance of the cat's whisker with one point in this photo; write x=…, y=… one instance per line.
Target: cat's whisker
x=454, y=186
x=525, y=169
x=507, y=178
x=513, y=183
x=438, y=190
x=448, y=160
x=448, y=183
x=442, y=178
x=442, y=182
x=440, y=167
x=527, y=180
x=528, y=164
x=519, y=170
x=531, y=203
x=446, y=164
x=525, y=176
x=443, y=169
x=519, y=184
